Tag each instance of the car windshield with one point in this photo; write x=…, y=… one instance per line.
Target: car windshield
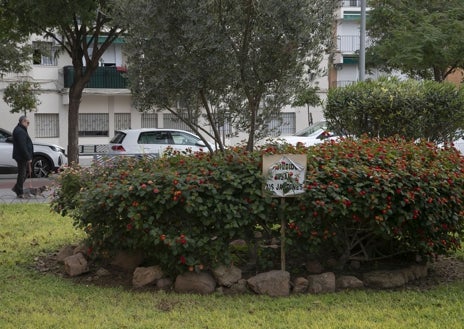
x=312, y=129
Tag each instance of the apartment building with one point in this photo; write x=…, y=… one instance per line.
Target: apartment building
x=106, y=104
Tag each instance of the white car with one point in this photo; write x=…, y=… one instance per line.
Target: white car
x=47, y=158
x=154, y=141
x=312, y=135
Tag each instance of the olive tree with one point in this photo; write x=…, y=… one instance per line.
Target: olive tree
x=240, y=60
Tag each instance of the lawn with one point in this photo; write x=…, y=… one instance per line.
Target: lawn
x=30, y=299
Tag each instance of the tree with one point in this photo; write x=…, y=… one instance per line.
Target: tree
x=13, y=50
x=420, y=38
x=22, y=96
x=77, y=26
x=240, y=60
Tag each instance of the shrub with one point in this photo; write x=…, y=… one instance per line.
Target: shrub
x=389, y=107
x=364, y=199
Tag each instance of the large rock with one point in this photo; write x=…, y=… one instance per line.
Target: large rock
x=197, y=283
x=273, y=283
x=385, y=279
x=321, y=283
x=348, y=282
x=227, y=275
x=75, y=265
x=146, y=275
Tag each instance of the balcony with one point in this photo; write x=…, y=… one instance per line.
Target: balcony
x=349, y=44
x=351, y=3
x=111, y=77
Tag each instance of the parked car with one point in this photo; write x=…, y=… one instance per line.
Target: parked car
x=312, y=135
x=48, y=157
x=154, y=141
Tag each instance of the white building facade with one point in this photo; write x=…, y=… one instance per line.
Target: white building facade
x=106, y=105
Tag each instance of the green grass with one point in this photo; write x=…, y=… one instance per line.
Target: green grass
x=29, y=299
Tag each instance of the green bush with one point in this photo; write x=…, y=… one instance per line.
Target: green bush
x=364, y=199
x=389, y=107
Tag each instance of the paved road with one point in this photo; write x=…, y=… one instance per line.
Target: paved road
x=8, y=196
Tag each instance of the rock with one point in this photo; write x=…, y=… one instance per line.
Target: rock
x=238, y=243
x=420, y=271
x=197, y=283
x=384, y=279
x=146, y=275
x=164, y=284
x=321, y=283
x=102, y=272
x=314, y=267
x=240, y=287
x=300, y=285
x=272, y=283
x=75, y=265
x=227, y=275
x=127, y=261
x=82, y=248
x=64, y=252
x=348, y=282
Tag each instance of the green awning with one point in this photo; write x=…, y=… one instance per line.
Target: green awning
x=350, y=60
x=351, y=15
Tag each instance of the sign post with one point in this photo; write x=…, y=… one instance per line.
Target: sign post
x=285, y=178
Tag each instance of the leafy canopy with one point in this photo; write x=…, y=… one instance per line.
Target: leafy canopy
x=237, y=60
x=420, y=38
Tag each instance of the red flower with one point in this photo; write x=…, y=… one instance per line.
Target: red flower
x=182, y=259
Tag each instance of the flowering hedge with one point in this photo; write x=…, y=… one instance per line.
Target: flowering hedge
x=364, y=199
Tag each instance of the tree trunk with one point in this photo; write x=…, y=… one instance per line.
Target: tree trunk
x=75, y=95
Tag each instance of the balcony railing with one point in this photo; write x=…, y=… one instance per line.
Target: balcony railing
x=341, y=83
x=111, y=77
x=351, y=3
x=349, y=43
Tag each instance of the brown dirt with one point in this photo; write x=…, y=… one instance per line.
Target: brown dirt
x=443, y=270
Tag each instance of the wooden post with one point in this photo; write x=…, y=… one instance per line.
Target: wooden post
x=282, y=233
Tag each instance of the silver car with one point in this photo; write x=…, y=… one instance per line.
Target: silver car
x=47, y=158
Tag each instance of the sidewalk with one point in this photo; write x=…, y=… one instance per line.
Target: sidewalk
x=7, y=196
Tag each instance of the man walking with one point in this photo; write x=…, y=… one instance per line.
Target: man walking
x=23, y=151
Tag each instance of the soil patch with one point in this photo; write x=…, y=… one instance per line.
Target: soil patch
x=442, y=270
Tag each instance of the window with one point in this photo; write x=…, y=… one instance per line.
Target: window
x=44, y=53
x=154, y=137
x=181, y=138
x=47, y=125
x=93, y=124
x=122, y=121
x=171, y=121
x=149, y=120
x=283, y=125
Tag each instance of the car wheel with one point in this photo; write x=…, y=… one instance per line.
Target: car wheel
x=41, y=167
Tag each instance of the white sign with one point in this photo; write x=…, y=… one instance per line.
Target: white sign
x=285, y=174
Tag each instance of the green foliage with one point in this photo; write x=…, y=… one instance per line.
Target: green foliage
x=364, y=199
x=21, y=96
x=420, y=38
x=241, y=60
x=388, y=107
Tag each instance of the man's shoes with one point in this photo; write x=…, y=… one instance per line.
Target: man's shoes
x=23, y=196
x=15, y=191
